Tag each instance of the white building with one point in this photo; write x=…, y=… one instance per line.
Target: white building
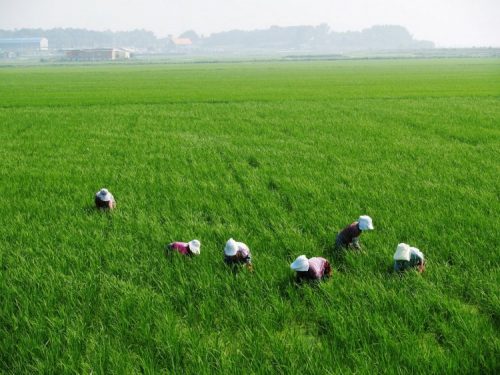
x=94, y=54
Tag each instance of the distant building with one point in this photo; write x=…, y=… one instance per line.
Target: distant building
x=182, y=41
x=24, y=45
x=94, y=54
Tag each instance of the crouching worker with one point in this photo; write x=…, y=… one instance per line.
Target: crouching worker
x=407, y=257
x=349, y=236
x=316, y=268
x=237, y=253
x=186, y=248
x=104, y=199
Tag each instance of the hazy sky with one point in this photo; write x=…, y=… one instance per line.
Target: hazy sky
x=446, y=22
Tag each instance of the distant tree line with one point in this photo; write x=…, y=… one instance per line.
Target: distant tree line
x=274, y=38
x=318, y=37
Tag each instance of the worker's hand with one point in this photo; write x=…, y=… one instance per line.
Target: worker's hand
x=328, y=270
x=421, y=267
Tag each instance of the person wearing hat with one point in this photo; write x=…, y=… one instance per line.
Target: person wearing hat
x=407, y=257
x=186, y=248
x=316, y=268
x=349, y=236
x=237, y=253
x=104, y=199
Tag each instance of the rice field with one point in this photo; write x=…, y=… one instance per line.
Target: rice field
x=279, y=155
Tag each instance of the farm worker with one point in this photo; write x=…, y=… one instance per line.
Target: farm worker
x=349, y=236
x=104, y=199
x=186, y=248
x=237, y=253
x=312, y=269
x=407, y=257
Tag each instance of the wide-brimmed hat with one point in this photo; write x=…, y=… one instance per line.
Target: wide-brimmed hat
x=300, y=264
x=402, y=252
x=417, y=252
x=231, y=247
x=365, y=222
x=104, y=195
x=194, y=246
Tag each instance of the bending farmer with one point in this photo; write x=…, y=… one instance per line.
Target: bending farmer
x=349, y=236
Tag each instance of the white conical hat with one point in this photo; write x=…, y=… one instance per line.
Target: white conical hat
x=417, y=252
x=194, y=246
x=402, y=252
x=365, y=222
x=231, y=247
x=300, y=264
x=104, y=195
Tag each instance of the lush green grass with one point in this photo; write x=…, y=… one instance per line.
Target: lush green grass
x=280, y=156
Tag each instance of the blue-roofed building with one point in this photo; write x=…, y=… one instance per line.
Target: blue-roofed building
x=24, y=44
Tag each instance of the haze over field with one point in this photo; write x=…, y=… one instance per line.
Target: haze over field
x=448, y=23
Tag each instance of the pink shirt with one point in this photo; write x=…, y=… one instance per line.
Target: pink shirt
x=244, y=250
x=181, y=247
x=242, y=255
x=318, y=268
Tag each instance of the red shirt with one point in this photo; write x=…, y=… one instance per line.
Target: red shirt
x=348, y=233
x=181, y=247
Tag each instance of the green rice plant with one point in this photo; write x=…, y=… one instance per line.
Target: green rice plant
x=280, y=156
